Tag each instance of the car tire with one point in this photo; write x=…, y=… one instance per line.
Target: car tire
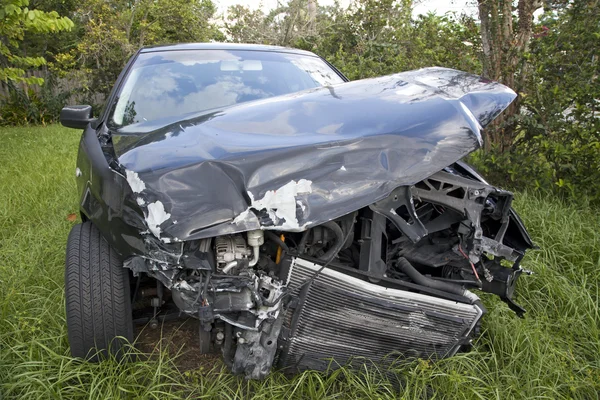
x=98, y=303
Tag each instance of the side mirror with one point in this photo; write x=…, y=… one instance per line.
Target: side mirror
x=76, y=116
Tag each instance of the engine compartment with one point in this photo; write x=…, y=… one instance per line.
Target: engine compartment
x=393, y=277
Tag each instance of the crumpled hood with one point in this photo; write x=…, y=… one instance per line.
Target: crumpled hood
x=295, y=161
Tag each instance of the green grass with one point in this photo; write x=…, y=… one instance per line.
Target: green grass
x=554, y=353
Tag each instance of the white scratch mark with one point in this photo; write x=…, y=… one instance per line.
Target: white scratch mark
x=242, y=217
x=280, y=204
x=137, y=185
x=342, y=168
x=156, y=216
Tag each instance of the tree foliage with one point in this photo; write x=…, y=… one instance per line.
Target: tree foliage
x=558, y=139
x=17, y=19
x=506, y=30
x=113, y=30
x=548, y=137
x=370, y=38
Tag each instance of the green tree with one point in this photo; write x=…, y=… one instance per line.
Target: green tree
x=369, y=38
x=557, y=142
x=561, y=125
x=506, y=29
x=16, y=20
x=288, y=23
x=112, y=30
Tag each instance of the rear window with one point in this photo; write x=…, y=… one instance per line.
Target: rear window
x=176, y=83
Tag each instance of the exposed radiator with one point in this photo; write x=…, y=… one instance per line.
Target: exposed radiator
x=346, y=319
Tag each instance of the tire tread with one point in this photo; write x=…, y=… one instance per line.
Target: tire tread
x=98, y=305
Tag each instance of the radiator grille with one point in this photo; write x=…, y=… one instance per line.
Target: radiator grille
x=344, y=318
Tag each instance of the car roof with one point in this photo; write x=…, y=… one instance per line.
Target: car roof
x=225, y=46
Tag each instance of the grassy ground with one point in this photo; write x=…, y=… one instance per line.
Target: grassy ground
x=554, y=353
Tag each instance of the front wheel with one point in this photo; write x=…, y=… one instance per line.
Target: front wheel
x=98, y=303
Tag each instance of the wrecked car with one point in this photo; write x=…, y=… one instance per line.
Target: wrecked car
x=299, y=217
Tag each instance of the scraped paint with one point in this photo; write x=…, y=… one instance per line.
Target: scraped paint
x=280, y=204
x=156, y=216
x=242, y=217
x=136, y=184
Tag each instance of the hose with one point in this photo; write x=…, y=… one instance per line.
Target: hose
x=339, y=243
x=229, y=266
x=460, y=282
x=273, y=237
x=256, y=254
x=274, y=302
x=303, y=241
x=258, y=299
x=405, y=266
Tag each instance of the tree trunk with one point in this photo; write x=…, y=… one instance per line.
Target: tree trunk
x=312, y=15
x=503, y=51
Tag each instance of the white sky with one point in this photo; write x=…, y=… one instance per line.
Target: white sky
x=439, y=7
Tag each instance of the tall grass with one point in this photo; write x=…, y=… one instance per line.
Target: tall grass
x=554, y=353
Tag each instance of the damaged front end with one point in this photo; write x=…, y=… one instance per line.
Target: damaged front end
x=336, y=223
x=393, y=278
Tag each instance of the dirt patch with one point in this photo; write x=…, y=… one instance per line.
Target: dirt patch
x=180, y=339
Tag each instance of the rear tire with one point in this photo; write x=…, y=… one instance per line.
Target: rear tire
x=98, y=303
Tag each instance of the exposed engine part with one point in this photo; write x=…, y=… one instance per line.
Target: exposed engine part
x=230, y=248
x=273, y=237
x=503, y=283
x=328, y=235
x=417, y=277
x=339, y=241
x=258, y=295
x=390, y=278
x=346, y=318
x=256, y=239
x=229, y=266
x=476, y=201
x=373, y=245
x=255, y=350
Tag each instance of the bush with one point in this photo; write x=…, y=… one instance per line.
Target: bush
x=557, y=147
x=33, y=106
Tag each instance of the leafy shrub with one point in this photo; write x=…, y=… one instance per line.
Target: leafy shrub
x=31, y=106
x=558, y=144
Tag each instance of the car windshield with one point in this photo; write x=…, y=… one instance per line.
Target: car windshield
x=175, y=83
